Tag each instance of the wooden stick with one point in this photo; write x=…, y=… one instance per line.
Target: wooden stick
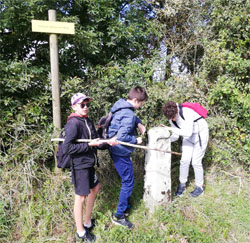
x=120, y=142
x=147, y=148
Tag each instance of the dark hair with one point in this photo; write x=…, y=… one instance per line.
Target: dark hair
x=139, y=93
x=170, y=110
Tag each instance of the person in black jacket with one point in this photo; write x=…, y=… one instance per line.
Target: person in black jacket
x=84, y=157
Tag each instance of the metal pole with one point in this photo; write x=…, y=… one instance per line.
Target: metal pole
x=55, y=76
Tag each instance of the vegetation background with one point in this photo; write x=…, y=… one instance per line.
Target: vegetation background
x=117, y=45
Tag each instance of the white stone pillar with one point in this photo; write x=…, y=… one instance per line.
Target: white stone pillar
x=157, y=180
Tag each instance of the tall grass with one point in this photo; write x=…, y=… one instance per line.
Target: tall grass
x=36, y=202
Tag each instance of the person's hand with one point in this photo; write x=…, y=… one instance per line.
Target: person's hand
x=141, y=128
x=139, y=140
x=112, y=141
x=168, y=128
x=95, y=142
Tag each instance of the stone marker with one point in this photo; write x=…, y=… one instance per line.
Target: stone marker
x=157, y=180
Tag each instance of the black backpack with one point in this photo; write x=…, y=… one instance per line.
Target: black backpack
x=64, y=160
x=103, y=125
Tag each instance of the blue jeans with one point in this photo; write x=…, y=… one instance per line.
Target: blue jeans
x=124, y=168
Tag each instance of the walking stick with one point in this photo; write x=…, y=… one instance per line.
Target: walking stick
x=120, y=142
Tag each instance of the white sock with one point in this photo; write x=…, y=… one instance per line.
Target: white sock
x=81, y=234
x=88, y=225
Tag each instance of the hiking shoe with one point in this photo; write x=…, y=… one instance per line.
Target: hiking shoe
x=198, y=191
x=93, y=224
x=87, y=237
x=181, y=189
x=122, y=221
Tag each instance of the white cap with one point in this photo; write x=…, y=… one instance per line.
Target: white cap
x=78, y=98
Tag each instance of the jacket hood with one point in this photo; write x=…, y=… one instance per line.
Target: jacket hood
x=74, y=114
x=121, y=104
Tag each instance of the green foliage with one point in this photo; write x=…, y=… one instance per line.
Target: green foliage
x=226, y=68
x=5, y=220
x=114, y=49
x=230, y=142
x=105, y=30
x=182, y=22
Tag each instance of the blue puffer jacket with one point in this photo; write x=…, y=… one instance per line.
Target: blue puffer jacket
x=123, y=125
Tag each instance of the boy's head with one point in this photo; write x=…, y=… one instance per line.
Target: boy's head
x=139, y=93
x=137, y=96
x=80, y=103
x=170, y=110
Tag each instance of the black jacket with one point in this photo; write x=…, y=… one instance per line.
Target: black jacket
x=83, y=155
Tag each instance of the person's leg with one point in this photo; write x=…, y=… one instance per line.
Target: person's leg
x=198, y=154
x=80, y=178
x=90, y=203
x=82, y=189
x=124, y=168
x=187, y=152
x=78, y=212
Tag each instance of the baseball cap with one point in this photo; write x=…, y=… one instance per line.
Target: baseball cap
x=78, y=98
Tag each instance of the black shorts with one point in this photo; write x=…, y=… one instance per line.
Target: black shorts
x=84, y=180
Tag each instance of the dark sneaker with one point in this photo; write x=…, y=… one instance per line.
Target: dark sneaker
x=198, y=191
x=122, y=221
x=88, y=237
x=93, y=224
x=180, y=190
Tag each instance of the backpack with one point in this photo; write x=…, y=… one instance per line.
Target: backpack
x=196, y=107
x=63, y=160
x=103, y=125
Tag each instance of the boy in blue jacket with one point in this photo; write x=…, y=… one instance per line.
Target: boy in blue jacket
x=123, y=127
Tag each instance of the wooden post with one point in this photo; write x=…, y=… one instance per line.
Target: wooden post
x=55, y=76
x=53, y=27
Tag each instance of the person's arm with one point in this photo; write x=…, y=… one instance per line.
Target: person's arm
x=174, y=137
x=137, y=120
x=141, y=128
x=126, y=128
x=186, y=126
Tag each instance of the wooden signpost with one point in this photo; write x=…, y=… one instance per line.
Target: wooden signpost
x=54, y=28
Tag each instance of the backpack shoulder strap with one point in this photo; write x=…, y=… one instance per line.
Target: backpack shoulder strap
x=181, y=112
x=175, y=123
x=198, y=119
